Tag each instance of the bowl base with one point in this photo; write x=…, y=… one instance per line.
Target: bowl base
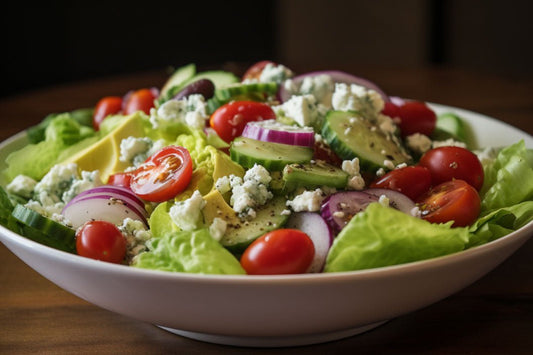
x=273, y=341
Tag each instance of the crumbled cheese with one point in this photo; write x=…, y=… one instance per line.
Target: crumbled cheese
x=276, y=73
x=187, y=214
x=388, y=164
x=89, y=180
x=384, y=200
x=22, y=185
x=415, y=212
x=218, y=228
x=448, y=143
x=357, y=98
x=355, y=180
x=249, y=192
x=136, y=235
x=418, y=143
x=191, y=111
x=487, y=155
x=304, y=110
x=320, y=86
x=307, y=201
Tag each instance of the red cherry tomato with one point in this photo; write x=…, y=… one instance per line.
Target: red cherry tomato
x=254, y=72
x=229, y=120
x=454, y=200
x=283, y=251
x=416, y=117
x=108, y=105
x=446, y=163
x=163, y=175
x=412, y=181
x=120, y=179
x=322, y=151
x=140, y=100
x=101, y=240
x=392, y=110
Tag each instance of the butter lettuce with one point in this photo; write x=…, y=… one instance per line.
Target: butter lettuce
x=382, y=236
x=182, y=251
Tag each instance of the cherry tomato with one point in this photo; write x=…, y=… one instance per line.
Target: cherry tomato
x=108, y=105
x=412, y=181
x=416, y=117
x=120, y=179
x=229, y=120
x=254, y=72
x=454, y=200
x=163, y=175
x=392, y=110
x=101, y=240
x=446, y=163
x=140, y=100
x=283, y=251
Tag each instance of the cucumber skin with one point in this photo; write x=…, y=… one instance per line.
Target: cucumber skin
x=347, y=153
x=268, y=218
x=44, y=230
x=281, y=154
x=314, y=175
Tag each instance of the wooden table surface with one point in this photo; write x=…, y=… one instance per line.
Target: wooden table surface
x=492, y=316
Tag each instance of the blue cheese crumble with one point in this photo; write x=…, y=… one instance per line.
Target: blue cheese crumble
x=191, y=111
x=135, y=150
x=187, y=214
x=275, y=73
x=136, y=235
x=304, y=110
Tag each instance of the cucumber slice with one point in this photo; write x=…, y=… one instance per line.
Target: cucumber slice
x=44, y=230
x=227, y=93
x=449, y=125
x=350, y=135
x=273, y=156
x=179, y=76
x=269, y=217
x=315, y=174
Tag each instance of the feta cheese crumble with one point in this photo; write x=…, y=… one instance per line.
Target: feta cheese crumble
x=354, y=97
x=22, y=186
x=309, y=201
x=355, y=180
x=304, y=110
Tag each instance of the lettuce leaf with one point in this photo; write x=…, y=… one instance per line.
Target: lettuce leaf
x=382, y=236
x=181, y=251
x=508, y=179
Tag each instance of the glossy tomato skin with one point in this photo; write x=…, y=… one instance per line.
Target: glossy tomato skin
x=283, y=251
x=454, y=200
x=254, y=72
x=447, y=163
x=412, y=181
x=163, y=175
x=139, y=100
x=229, y=119
x=106, y=106
x=101, y=240
x=390, y=109
x=416, y=117
x=120, y=179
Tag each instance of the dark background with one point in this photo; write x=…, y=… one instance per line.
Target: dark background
x=58, y=42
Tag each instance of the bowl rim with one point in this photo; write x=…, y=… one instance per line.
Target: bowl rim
x=294, y=279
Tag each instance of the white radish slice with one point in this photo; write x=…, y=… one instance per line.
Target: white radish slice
x=276, y=132
x=317, y=229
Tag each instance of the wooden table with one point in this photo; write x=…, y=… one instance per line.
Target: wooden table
x=492, y=316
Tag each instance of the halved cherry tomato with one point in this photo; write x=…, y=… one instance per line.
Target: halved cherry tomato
x=163, y=175
x=416, y=117
x=412, y=181
x=229, y=120
x=283, y=251
x=108, y=105
x=139, y=100
x=446, y=163
x=120, y=179
x=454, y=200
x=254, y=72
x=101, y=240
x=392, y=110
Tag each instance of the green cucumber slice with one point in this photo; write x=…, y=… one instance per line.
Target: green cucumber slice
x=350, y=135
x=449, y=125
x=179, y=76
x=273, y=156
x=225, y=94
x=45, y=230
x=269, y=217
x=315, y=174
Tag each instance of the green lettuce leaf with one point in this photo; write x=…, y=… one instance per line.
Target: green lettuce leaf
x=181, y=251
x=508, y=179
x=382, y=236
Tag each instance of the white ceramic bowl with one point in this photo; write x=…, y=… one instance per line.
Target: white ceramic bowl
x=274, y=310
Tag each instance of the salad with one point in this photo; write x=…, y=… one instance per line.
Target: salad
x=271, y=173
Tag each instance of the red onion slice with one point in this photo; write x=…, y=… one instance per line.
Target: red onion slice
x=339, y=208
x=338, y=77
x=317, y=229
x=115, y=190
x=276, y=132
x=396, y=199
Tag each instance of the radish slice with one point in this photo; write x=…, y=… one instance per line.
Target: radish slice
x=317, y=229
x=108, y=203
x=396, y=199
x=276, y=132
x=338, y=77
x=339, y=208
